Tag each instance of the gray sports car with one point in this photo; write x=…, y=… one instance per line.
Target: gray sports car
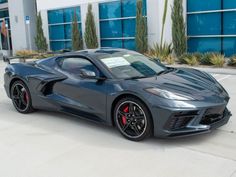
x=121, y=88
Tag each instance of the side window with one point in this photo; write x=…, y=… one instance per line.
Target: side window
x=75, y=65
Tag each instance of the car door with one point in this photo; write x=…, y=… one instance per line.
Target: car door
x=85, y=97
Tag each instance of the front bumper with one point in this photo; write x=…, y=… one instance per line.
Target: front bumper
x=169, y=122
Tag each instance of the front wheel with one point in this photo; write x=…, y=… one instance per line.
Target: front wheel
x=133, y=119
x=21, y=97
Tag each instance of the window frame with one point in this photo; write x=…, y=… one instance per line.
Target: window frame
x=59, y=59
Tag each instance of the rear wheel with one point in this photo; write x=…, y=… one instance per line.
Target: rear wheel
x=21, y=97
x=133, y=119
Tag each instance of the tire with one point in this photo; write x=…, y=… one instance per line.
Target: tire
x=133, y=119
x=21, y=97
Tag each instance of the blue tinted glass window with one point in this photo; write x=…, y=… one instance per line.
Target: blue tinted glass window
x=229, y=46
x=69, y=14
x=78, y=13
x=204, y=24
x=58, y=45
x=204, y=45
x=111, y=29
x=4, y=13
x=129, y=28
x=68, y=31
x=55, y=16
x=203, y=5
x=130, y=44
x=229, y=23
x=110, y=10
x=68, y=45
x=129, y=8
x=112, y=43
x=56, y=32
x=3, y=1
x=229, y=4
x=63, y=31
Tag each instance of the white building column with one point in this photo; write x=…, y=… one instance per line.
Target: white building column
x=155, y=10
x=18, y=10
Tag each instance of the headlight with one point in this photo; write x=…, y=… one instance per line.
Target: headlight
x=169, y=95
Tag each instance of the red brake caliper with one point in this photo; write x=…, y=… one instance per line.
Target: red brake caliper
x=26, y=97
x=124, y=120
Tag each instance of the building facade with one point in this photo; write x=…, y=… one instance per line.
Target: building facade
x=16, y=34
x=210, y=24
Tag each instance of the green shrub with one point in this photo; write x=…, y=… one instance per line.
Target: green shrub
x=77, y=40
x=26, y=54
x=160, y=52
x=178, y=28
x=42, y=56
x=141, y=29
x=206, y=58
x=170, y=60
x=182, y=58
x=232, y=61
x=90, y=35
x=40, y=40
x=191, y=60
x=218, y=60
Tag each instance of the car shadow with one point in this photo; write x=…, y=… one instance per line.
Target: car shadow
x=96, y=134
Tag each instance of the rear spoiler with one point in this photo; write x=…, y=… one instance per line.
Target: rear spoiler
x=9, y=59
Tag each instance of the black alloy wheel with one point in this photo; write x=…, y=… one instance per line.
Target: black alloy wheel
x=133, y=119
x=21, y=98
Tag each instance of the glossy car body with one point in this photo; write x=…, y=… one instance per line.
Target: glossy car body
x=51, y=88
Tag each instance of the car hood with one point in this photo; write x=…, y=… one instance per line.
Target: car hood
x=190, y=82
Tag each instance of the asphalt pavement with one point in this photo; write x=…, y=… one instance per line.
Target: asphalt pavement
x=47, y=144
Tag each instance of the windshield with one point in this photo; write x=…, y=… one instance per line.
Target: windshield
x=128, y=65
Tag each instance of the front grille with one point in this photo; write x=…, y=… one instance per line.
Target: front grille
x=181, y=119
x=213, y=115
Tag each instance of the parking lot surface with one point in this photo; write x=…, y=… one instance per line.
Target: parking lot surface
x=46, y=144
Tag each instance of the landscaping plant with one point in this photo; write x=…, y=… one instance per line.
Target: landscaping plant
x=160, y=52
x=206, y=58
x=40, y=40
x=191, y=60
x=141, y=29
x=164, y=21
x=77, y=41
x=218, y=60
x=178, y=29
x=90, y=34
x=232, y=61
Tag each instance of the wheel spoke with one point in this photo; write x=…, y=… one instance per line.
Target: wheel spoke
x=136, y=130
x=131, y=108
x=121, y=113
x=126, y=126
x=139, y=118
x=18, y=97
x=18, y=91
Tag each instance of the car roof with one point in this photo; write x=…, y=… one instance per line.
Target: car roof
x=90, y=53
x=95, y=53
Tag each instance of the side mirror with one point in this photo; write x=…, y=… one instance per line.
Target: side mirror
x=90, y=75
